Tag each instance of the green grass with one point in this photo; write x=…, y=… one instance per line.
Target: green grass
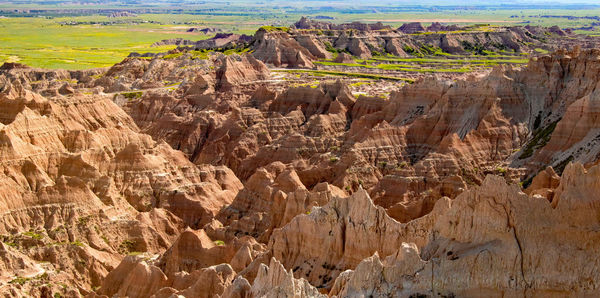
x=33, y=235
x=346, y=74
x=397, y=67
x=45, y=43
x=19, y=280
x=77, y=243
x=132, y=95
x=329, y=63
x=172, y=56
x=357, y=84
x=275, y=28
x=430, y=64
x=501, y=59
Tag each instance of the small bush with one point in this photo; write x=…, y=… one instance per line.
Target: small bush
x=19, y=280
x=127, y=245
x=77, y=243
x=33, y=235
x=132, y=95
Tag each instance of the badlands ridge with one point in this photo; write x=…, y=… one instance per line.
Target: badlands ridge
x=202, y=174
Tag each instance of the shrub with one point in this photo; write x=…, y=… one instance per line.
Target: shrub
x=539, y=140
x=501, y=170
x=132, y=95
x=19, y=280
x=77, y=243
x=33, y=235
x=127, y=245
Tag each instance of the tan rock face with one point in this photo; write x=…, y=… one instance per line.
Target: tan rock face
x=216, y=169
x=386, y=277
x=314, y=46
x=271, y=198
x=134, y=278
x=430, y=139
x=193, y=250
x=237, y=70
x=82, y=186
x=543, y=184
x=194, y=266
x=495, y=239
x=412, y=28
x=280, y=49
x=333, y=238
x=275, y=281
x=344, y=58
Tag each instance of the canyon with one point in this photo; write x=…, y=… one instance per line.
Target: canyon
x=268, y=166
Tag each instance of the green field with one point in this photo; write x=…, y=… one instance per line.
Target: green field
x=46, y=43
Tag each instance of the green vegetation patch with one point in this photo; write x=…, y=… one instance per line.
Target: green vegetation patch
x=132, y=95
x=77, y=243
x=19, y=280
x=397, y=67
x=275, y=28
x=346, y=74
x=539, y=140
x=127, y=245
x=497, y=59
x=172, y=56
x=34, y=235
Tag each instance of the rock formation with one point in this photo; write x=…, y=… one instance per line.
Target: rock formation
x=310, y=40
x=82, y=185
x=280, y=49
x=436, y=27
x=411, y=28
x=203, y=173
x=321, y=245
x=306, y=23
x=237, y=70
x=274, y=281
x=349, y=142
x=494, y=240
x=344, y=58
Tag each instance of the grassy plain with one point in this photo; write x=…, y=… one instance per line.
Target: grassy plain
x=46, y=43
